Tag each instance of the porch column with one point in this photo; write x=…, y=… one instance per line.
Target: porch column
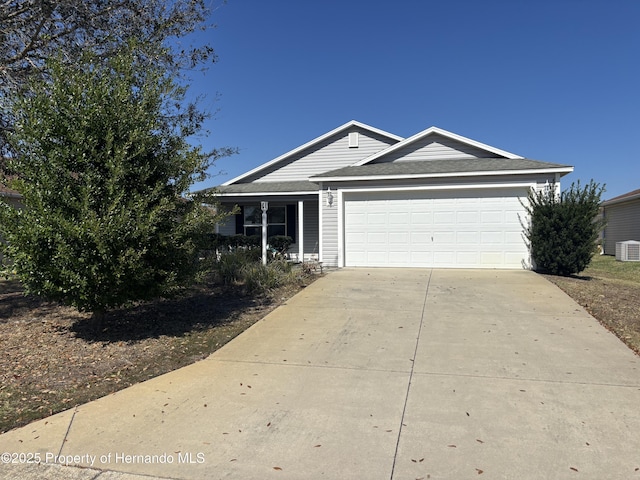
x=300, y=231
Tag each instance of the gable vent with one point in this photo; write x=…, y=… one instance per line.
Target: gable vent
x=628, y=251
x=353, y=140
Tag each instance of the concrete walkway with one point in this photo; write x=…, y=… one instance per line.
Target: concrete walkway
x=374, y=374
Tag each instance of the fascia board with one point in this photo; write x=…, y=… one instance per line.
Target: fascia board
x=563, y=170
x=615, y=201
x=444, y=133
x=265, y=194
x=310, y=144
x=410, y=188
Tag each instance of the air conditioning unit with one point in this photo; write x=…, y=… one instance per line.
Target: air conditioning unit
x=628, y=251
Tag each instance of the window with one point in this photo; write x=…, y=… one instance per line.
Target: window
x=276, y=220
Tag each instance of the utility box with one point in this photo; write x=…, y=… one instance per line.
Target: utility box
x=628, y=251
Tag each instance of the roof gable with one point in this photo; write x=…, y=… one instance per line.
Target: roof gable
x=309, y=161
x=436, y=144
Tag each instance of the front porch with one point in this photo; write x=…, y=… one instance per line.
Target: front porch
x=293, y=216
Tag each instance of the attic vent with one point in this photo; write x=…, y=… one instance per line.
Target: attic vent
x=353, y=140
x=628, y=251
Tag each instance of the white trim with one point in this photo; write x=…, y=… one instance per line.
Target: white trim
x=444, y=133
x=407, y=176
x=341, y=244
x=320, y=224
x=264, y=194
x=615, y=201
x=476, y=186
x=301, y=230
x=352, y=123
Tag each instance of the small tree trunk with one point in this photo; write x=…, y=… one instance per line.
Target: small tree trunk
x=97, y=318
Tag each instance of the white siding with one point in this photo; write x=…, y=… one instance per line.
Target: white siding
x=435, y=147
x=329, y=155
x=623, y=223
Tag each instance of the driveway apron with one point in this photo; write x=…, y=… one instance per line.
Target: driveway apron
x=377, y=374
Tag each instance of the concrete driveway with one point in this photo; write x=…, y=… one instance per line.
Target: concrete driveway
x=376, y=374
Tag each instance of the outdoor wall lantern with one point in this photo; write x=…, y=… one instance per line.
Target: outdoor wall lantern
x=329, y=197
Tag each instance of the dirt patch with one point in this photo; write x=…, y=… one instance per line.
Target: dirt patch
x=53, y=358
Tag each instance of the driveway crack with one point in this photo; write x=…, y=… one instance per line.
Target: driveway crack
x=413, y=363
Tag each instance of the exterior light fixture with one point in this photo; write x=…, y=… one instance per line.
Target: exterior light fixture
x=329, y=197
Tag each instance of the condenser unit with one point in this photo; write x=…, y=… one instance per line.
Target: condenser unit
x=628, y=251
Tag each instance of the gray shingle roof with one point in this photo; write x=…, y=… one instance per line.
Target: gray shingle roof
x=488, y=165
x=268, y=187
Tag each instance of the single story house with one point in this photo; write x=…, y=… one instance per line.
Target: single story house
x=622, y=216
x=358, y=196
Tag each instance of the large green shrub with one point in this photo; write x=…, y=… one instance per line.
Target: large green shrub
x=564, y=229
x=102, y=169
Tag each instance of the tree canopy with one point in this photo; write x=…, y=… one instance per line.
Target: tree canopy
x=103, y=171
x=32, y=31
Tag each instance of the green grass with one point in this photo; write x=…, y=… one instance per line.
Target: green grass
x=607, y=267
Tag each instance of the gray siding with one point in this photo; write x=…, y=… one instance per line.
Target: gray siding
x=311, y=230
x=311, y=233
x=229, y=227
x=330, y=230
x=623, y=223
x=329, y=155
x=435, y=147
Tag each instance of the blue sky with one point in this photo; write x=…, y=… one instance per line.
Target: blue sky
x=551, y=80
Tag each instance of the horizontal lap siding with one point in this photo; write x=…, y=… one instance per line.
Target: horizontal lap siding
x=331, y=154
x=311, y=229
x=330, y=230
x=623, y=223
x=435, y=147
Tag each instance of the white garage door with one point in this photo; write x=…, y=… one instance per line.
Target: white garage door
x=453, y=229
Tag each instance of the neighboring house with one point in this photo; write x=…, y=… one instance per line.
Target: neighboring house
x=359, y=196
x=622, y=216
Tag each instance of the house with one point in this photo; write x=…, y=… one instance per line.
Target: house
x=358, y=196
x=622, y=217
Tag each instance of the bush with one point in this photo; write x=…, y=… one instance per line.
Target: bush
x=280, y=243
x=564, y=229
x=243, y=267
x=260, y=278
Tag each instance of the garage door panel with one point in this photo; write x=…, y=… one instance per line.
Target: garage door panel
x=491, y=238
x=377, y=239
x=444, y=238
x=470, y=217
x=376, y=219
x=467, y=238
x=472, y=228
x=443, y=218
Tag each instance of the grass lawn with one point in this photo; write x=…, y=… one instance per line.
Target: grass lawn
x=53, y=358
x=610, y=291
